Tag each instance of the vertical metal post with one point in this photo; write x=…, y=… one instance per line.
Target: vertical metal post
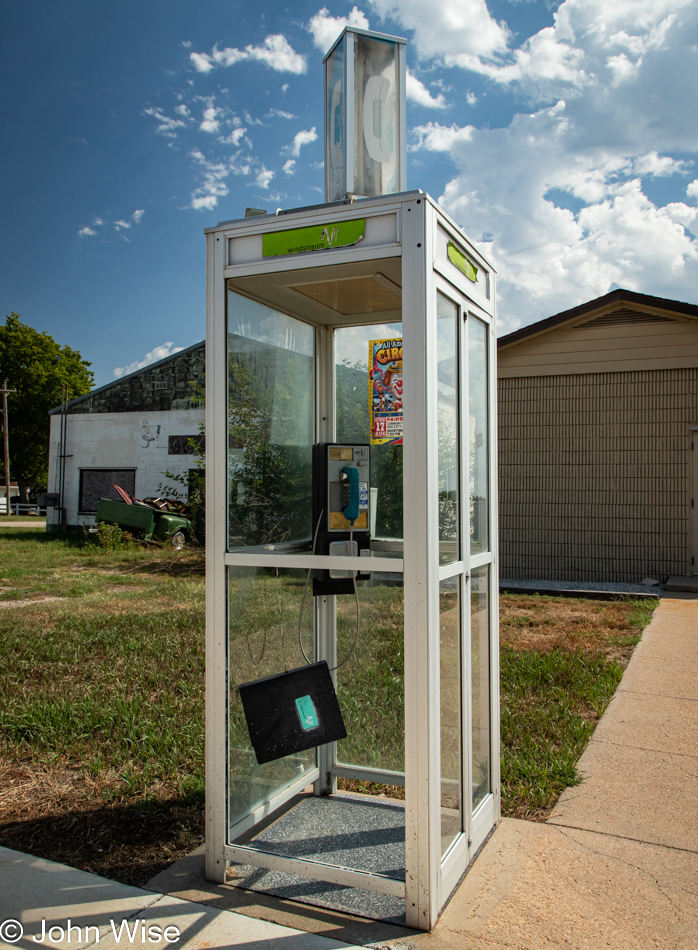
x=216, y=574
x=62, y=453
x=325, y=614
x=6, y=445
x=422, y=779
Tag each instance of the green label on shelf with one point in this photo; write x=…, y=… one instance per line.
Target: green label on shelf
x=320, y=237
x=306, y=712
x=457, y=257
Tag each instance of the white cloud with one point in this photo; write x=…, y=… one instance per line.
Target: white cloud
x=658, y=166
x=213, y=185
x=235, y=136
x=86, y=232
x=277, y=53
x=264, y=177
x=290, y=166
x=123, y=225
x=299, y=140
x=285, y=87
x=280, y=114
x=590, y=42
x=440, y=138
x=471, y=98
x=449, y=28
x=326, y=28
x=556, y=195
x=186, y=43
x=204, y=202
x=98, y=221
x=168, y=125
x=210, y=122
x=157, y=353
x=418, y=92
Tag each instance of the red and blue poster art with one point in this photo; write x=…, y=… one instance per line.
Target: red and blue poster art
x=385, y=391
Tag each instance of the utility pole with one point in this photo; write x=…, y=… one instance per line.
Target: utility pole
x=6, y=440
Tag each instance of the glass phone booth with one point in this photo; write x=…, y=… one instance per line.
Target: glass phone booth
x=302, y=307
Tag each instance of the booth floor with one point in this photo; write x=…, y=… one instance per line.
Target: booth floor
x=346, y=830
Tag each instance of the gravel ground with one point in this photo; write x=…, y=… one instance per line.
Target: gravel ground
x=581, y=585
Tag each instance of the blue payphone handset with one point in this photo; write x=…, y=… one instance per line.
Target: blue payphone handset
x=350, y=493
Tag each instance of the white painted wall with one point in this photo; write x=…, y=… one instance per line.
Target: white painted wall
x=119, y=440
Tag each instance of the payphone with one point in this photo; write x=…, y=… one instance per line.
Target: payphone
x=341, y=515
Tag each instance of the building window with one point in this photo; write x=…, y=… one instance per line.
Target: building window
x=96, y=483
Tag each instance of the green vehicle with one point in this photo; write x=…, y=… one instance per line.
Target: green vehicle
x=146, y=522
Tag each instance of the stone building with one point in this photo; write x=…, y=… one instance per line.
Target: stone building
x=129, y=432
x=598, y=409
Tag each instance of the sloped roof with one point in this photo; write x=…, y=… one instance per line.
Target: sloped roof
x=615, y=296
x=123, y=383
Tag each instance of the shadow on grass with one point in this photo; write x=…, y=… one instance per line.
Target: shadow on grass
x=129, y=843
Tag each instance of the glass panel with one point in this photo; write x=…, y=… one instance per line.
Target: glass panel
x=479, y=434
x=447, y=382
x=264, y=606
x=450, y=664
x=377, y=116
x=334, y=123
x=370, y=686
x=480, y=676
x=271, y=424
x=353, y=422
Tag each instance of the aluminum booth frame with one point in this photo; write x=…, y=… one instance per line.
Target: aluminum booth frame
x=434, y=264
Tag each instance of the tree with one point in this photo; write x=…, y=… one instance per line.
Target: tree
x=37, y=367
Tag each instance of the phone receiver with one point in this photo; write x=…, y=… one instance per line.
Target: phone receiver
x=351, y=511
x=377, y=89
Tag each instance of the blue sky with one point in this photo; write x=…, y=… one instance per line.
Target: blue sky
x=562, y=136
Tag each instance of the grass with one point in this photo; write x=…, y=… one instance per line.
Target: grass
x=101, y=703
x=102, y=693
x=561, y=660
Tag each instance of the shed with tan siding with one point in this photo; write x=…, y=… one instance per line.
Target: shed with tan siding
x=597, y=411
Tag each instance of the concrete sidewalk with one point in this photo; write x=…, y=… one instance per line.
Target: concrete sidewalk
x=616, y=865
x=40, y=895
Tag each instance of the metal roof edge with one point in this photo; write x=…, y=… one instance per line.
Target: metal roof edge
x=330, y=205
x=361, y=32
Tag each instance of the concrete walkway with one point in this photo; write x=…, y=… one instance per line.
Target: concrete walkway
x=36, y=523
x=38, y=895
x=615, y=867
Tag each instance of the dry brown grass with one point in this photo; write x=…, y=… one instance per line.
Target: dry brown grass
x=598, y=628
x=59, y=813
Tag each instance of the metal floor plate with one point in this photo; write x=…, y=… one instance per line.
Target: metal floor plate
x=353, y=831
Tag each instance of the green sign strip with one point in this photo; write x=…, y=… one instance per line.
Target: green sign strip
x=465, y=266
x=320, y=237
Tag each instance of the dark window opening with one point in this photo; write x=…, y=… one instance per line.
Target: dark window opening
x=96, y=483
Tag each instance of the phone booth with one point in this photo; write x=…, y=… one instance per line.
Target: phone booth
x=352, y=627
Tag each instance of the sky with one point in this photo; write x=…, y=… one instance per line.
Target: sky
x=562, y=137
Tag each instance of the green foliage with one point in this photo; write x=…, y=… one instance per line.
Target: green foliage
x=37, y=367
x=110, y=536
